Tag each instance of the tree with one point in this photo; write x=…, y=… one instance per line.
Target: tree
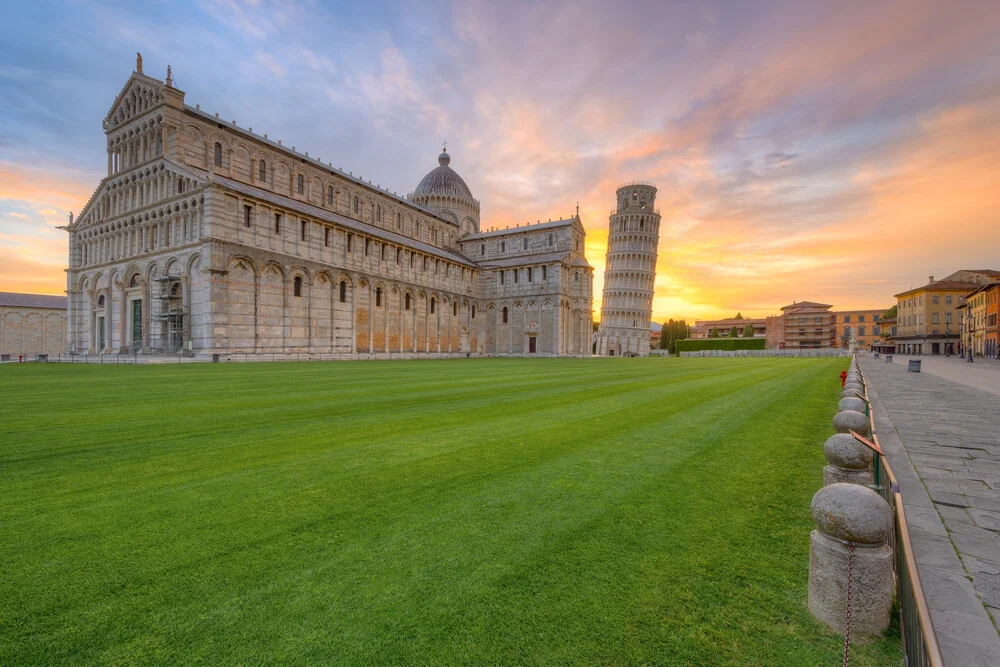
x=739, y=316
x=748, y=331
x=734, y=333
x=889, y=313
x=714, y=333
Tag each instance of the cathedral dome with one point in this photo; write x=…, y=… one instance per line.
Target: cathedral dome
x=442, y=181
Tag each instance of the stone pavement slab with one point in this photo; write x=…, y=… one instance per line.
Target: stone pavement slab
x=942, y=439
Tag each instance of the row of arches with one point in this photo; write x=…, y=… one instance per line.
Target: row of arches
x=135, y=309
x=622, y=343
x=271, y=308
x=132, y=146
x=634, y=223
x=626, y=280
x=629, y=241
x=28, y=333
x=623, y=316
x=621, y=261
x=138, y=100
x=135, y=191
x=169, y=225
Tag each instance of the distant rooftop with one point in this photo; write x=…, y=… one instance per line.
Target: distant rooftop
x=18, y=300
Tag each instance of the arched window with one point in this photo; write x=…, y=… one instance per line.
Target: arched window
x=218, y=154
x=378, y=212
x=399, y=221
x=642, y=224
x=407, y=302
x=357, y=205
x=473, y=311
x=504, y=314
x=329, y=195
x=300, y=184
x=378, y=297
x=343, y=291
x=134, y=282
x=297, y=286
x=454, y=308
x=524, y=245
x=100, y=301
x=433, y=302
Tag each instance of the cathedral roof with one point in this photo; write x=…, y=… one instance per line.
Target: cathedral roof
x=443, y=181
x=534, y=227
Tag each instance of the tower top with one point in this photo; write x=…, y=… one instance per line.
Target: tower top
x=636, y=184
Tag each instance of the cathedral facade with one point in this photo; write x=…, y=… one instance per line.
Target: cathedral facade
x=207, y=238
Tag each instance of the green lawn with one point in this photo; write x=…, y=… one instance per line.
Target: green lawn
x=489, y=511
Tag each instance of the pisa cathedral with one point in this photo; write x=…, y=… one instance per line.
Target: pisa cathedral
x=207, y=238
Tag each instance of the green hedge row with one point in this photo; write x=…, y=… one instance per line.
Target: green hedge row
x=697, y=344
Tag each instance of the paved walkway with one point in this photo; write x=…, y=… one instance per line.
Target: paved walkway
x=942, y=439
x=983, y=374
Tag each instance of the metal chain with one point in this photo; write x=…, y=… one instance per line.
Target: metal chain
x=847, y=620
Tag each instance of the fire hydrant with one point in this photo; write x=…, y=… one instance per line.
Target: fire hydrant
x=843, y=378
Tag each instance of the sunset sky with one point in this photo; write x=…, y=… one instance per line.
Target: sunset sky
x=830, y=151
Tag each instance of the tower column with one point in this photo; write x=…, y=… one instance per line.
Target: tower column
x=633, y=235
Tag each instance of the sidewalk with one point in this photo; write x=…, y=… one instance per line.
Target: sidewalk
x=941, y=439
x=982, y=374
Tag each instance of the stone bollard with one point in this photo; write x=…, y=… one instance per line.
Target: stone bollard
x=852, y=525
x=855, y=385
x=849, y=420
x=849, y=461
x=851, y=403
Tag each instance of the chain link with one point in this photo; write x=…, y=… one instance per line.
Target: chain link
x=850, y=591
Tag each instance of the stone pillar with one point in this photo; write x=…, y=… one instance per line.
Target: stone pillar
x=850, y=560
x=849, y=461
x=849, y=420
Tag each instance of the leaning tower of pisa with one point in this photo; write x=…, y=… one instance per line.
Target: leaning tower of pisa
x=629, y=273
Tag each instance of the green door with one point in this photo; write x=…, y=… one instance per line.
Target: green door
x=136, y=325
x=100, y=334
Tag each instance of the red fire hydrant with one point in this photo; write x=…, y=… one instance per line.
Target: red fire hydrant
x=843, y=378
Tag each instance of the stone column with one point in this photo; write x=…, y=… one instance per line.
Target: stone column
x=849, y=560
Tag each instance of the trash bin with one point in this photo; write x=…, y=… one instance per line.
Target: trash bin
x=215, y=358
x=888, y=358
x=876, y=355
x=913, y=366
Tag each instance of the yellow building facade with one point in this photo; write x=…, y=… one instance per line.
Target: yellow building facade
x=931, y=317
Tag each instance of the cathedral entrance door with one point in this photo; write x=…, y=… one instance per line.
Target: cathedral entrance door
x=136, y=325
x=531, y=344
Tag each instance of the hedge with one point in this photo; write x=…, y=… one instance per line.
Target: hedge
x=697, y=344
